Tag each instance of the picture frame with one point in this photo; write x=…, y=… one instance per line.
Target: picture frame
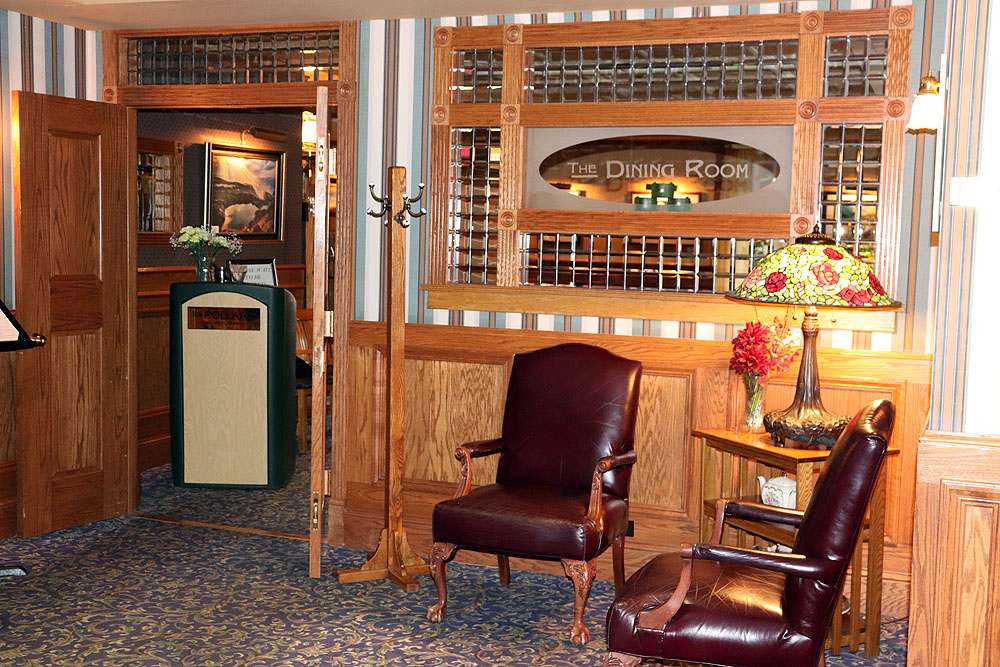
x=244, y=191
x=256, y=271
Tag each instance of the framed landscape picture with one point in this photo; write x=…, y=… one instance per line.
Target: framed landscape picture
x=243, y=191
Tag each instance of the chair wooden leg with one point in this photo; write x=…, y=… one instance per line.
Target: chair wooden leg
x=441, y=553
x=618, y=562
x=300, y=421
x=822, y=660
x=582, y=573
x=503, y=562
x=615, y=659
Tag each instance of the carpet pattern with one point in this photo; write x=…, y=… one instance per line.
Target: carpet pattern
x=131, y=591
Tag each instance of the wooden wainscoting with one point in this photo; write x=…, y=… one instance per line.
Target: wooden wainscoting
x=8, y=453
x=956, y=553
x=456, y=380
x=154, y=352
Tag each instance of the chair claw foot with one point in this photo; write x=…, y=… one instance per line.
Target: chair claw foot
x=435, y=613
x=580, y=634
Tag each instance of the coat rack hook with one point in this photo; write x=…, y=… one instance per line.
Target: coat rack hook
x=383, y=202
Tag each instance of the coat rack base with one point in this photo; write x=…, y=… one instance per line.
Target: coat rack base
x=393, y=559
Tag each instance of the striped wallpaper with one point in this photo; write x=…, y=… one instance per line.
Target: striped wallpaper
x=42, y=57
x=394, y=103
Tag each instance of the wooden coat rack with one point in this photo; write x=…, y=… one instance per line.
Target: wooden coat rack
x=394, y=559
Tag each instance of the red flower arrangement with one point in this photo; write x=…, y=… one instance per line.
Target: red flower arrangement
x=758, y=350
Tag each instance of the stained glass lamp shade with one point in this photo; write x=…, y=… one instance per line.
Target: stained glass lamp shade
x=816, y=273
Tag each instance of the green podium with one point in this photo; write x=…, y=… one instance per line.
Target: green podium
x=232, y=385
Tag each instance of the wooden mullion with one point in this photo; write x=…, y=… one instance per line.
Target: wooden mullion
x=113, y=64
x=806, y=158
x=887, y=245
x=512, y=156
x=223, y=95
x=478, y=37
x=658, y=114
x=868, y=109
x=856, y=22
x=663, y=31
x=654, y=223
x=474, y=115
x=440, y=166
x=231, y=29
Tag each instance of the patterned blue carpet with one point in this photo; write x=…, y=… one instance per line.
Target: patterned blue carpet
x=131, y=591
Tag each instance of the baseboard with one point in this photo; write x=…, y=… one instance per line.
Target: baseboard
x=154, y=437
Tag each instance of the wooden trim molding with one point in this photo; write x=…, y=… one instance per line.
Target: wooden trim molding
x=635, y=304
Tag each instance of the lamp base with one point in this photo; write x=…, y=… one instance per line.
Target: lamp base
x=804, y=424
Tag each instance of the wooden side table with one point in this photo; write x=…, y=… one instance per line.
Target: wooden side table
x=731, y=462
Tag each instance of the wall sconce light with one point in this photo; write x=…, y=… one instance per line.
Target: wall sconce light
x=928, y=106
x=309, y=131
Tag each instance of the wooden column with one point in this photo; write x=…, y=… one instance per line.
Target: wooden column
x=393, y=559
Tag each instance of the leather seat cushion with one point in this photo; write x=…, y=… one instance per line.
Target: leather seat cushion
x=532, y=520
x=732, y=615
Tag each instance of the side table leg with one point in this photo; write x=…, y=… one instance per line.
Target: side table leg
x=876, y=539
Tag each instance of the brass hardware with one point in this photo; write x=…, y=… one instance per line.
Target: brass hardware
x=400, y=215
x=315, y=511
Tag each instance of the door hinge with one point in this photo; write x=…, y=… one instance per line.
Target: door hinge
x=328, y=323
x=327, y=481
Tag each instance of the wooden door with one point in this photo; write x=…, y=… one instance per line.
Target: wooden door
x=75, y=258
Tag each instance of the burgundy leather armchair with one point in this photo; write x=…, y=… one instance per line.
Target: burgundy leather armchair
x=561, y=491
x=731, y=606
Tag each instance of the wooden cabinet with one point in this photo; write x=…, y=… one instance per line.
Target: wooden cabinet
x=159, y=191
x=955, y=590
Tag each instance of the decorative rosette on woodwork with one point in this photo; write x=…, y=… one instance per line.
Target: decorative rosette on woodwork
x=512, y=33
x=802, y=224
x=510, y=113
x=345, y=89
x=895, y=107
x=110, y=94
x=812, y=22
x=439, y=116
x=442, y=37
x=807, y=110
x=507, y=219
x=901, y=17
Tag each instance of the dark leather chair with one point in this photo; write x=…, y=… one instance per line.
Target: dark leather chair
x=732, y=606
x=561, y=491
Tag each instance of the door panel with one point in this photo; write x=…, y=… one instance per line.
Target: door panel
x=75, y=282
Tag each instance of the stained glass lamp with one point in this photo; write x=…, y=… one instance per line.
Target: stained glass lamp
x=816, y=273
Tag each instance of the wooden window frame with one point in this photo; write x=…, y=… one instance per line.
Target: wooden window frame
x=176, y=153
x=807, y=113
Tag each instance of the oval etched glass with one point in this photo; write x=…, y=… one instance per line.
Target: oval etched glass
x=659, y=172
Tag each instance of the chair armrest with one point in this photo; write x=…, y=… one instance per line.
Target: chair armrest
x=595, y=512
x=468, y=451
x=795, y=565
x=743, y=509
x=657, y=617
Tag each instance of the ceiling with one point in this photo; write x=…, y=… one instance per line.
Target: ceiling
x=124, y=14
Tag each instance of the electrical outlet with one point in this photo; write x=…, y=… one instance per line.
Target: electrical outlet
x=630, y=531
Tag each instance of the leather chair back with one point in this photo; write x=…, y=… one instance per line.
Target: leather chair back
x=836, y=513
x=567, y=407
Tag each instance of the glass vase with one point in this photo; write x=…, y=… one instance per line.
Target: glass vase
x=753, y=413
x=202, y=268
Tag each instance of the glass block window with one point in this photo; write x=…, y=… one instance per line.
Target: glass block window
x=641, y=263
x=850, y=180
x=856, y=65
x=475, y=190
x=477, y=75
x=644, y=73
x=155, y=192
x=224, y=59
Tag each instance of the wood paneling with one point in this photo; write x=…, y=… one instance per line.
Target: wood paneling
x=456, y=377
x=955, y=601
x=153, y=285
x=457, y=405
x=8, y=450
x=8, y=499
x=222, y=96
x=76, y=303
